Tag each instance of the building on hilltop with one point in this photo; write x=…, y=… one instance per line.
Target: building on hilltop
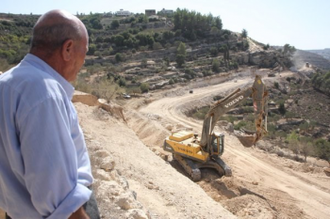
x=150, y=12
x=165, y=11
x=123, y=13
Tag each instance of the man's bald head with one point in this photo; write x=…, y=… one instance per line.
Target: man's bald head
x=53, y=29
x=61, y=40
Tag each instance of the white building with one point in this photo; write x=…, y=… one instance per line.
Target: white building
x=123, y=13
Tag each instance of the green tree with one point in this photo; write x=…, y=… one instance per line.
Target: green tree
x=145, y=39
x=244, y=33
x=167, y=35
x=226, y=56
x=282, y=109
x=118, y=40
x=306, y=147
x=181, y=54
x=192, y=24
x=266, y=47
x=115, y=24
x=91, y=49
x=181, y=49
x=180, y=60
x=293, y=140
x=323, y=149
x=288, y=50
x=218, y=23
x=322, y=82
x=96, y=23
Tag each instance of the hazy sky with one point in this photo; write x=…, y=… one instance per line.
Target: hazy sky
x=301, y=23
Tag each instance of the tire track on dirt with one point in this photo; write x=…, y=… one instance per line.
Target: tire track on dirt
x=311, y=198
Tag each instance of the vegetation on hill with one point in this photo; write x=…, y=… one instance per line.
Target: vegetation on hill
x=14, y=38
x=187, y=42
x=321, y=82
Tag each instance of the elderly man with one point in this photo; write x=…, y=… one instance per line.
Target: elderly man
x=45, y=169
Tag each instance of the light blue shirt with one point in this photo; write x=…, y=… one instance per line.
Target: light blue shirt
x=44, y=163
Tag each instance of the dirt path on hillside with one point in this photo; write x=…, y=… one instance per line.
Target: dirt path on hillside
x=263, y=185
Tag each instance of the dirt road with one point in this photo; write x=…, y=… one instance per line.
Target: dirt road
x=263, y=185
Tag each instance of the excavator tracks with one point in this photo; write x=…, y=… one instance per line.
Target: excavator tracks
x=193, y=168
x=189, y=166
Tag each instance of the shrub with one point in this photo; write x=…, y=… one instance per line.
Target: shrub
x=266, y=47
x=322, y=149
x=144, y=63
x=122, y=82
x=240, y=125
x=214, y=51
x=157, y=46
x=119, y=57
x=215, y=65
x=201, y=112
x=144, y=87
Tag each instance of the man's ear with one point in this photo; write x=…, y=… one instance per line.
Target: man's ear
x=67, y=50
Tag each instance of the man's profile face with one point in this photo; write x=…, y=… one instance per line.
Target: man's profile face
x=80, y=50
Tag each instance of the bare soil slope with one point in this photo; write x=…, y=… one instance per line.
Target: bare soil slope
x=159, y=188
x=262, y=186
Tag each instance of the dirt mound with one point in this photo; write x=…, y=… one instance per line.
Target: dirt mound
x=140, y=184
x=250, y=206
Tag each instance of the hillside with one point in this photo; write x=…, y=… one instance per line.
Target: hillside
x=316, y=59
x=323, y=52
x=275, y=187
x=151, y=73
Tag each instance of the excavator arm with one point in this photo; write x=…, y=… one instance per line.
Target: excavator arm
x=259, y=94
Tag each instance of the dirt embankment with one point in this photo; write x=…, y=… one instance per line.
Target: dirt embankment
x=133, y=181
x=159, y=190
x=263, y=185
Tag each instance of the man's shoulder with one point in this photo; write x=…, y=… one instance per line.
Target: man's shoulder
x=31, y=84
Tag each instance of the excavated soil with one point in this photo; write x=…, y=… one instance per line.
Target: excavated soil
x=263, y=185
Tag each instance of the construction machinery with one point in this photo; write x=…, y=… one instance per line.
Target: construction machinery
x=194, y=152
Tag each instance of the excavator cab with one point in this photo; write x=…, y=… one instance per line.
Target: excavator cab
x=217, y=144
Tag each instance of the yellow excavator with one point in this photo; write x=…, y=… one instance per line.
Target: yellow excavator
x=194, y=152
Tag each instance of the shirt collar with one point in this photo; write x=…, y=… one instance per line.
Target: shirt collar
x=43, y=66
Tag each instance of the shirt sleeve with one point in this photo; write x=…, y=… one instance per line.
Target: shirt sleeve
x=50, y=160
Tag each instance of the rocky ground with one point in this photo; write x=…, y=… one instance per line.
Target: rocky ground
x=136, y=181
x=135, y=178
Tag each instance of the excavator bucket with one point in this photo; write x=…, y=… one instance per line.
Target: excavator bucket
x=246, y=140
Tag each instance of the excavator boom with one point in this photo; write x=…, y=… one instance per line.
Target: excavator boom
x=194, y=153
x=259, y=94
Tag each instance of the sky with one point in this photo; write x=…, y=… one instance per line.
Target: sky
x=300, y=23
